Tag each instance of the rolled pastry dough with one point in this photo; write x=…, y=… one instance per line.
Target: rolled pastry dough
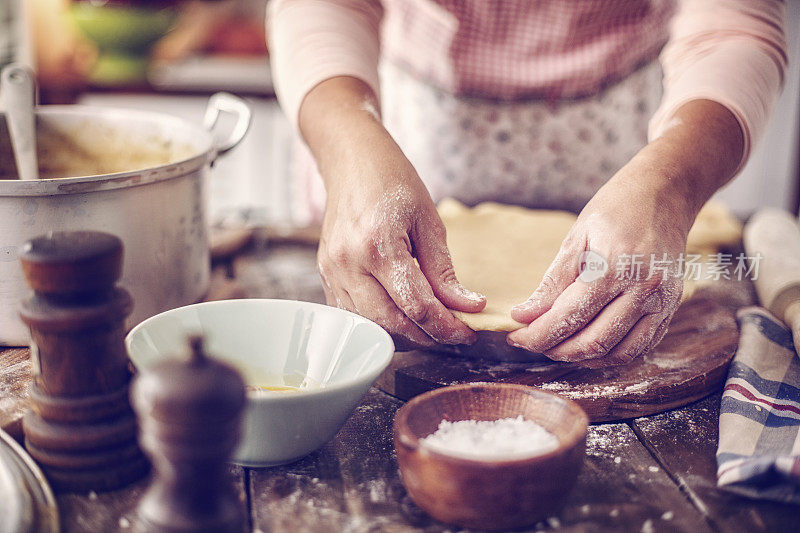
x=503, y=251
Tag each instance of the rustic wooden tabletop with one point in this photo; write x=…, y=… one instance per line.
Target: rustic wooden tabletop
x=655, y=473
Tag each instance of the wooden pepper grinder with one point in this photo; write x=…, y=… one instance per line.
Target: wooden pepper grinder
x=81, y=429
x=190, y=416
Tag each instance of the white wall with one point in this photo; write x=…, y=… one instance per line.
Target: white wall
x=770, y=177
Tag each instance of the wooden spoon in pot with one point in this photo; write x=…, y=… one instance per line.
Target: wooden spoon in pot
x=17, y=90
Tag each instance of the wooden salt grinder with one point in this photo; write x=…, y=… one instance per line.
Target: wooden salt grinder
x=190, y=413
x=81, y=429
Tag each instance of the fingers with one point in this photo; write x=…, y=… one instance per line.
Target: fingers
x=374, y=303
x=338, y=297
x=330, y=297
x=370, y=300
x=636, y=342
x=430, y=246
x=562, y=273
x=412, y=294
x=602, y=334
x=383, y=280
x=661, y=332
x=577, y=305
x=658, y=306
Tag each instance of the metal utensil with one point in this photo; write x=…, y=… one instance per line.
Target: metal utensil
x=17, y=91
x=26, y=500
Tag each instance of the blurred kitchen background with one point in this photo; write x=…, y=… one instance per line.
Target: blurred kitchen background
x=170, y=56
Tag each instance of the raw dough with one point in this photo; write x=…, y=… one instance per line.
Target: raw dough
x=503, y=251
x=714, y=229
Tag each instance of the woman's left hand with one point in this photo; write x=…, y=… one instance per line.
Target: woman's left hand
x=636, y=225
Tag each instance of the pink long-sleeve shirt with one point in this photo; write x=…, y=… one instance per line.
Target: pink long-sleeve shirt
x=729, y=51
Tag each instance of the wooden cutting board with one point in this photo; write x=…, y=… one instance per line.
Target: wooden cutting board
x=689, y=363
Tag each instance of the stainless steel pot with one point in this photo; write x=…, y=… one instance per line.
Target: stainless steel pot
x=26, y=499
x=158, y=212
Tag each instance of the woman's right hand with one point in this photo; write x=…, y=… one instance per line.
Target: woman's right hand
x=383, y=252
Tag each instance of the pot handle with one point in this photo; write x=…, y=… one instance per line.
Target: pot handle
x=228, y=103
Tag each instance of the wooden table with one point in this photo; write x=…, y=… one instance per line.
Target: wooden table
x=649, y=474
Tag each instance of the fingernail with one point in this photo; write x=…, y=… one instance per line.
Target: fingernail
x=476, y=296
x=514, y=343
x=424, y=343
x=468, y=294
x=462, y=338
x=524, y=306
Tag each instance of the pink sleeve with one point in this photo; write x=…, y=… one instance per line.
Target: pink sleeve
x=730, y=51
x=314, y=40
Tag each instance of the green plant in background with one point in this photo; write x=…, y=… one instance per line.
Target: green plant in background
x=124, y=35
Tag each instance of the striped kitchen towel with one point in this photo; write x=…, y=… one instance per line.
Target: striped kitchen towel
x=759, y=422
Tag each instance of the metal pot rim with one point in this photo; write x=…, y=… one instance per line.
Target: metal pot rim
x=206, y=153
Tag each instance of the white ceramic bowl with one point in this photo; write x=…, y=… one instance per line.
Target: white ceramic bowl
x=268, y=340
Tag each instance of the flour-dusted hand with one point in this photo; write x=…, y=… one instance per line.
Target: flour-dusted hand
x=383, y=252
x=637, y=223
x=611, y=291
x=370, y=240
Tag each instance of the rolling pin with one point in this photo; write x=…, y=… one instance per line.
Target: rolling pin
x=775, y=234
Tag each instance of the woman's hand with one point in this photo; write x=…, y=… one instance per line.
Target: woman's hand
x=383, y=252
x=375, y=227
x=603, y=319
x=638, y=223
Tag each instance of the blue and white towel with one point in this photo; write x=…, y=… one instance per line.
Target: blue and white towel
x=759, y=423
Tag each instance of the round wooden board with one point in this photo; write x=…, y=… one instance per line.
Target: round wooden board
x=689, y=363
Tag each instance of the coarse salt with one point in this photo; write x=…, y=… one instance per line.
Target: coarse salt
x=491, y=440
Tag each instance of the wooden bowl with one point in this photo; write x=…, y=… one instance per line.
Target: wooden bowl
x=489, y=494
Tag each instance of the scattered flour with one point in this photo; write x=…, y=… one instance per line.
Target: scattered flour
x=14, y=392
x=597, y=391
x=555, y=386
x=377, y=490
x=554, y=522
x=497, y=440
x=667, y=363
x=605, y=440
